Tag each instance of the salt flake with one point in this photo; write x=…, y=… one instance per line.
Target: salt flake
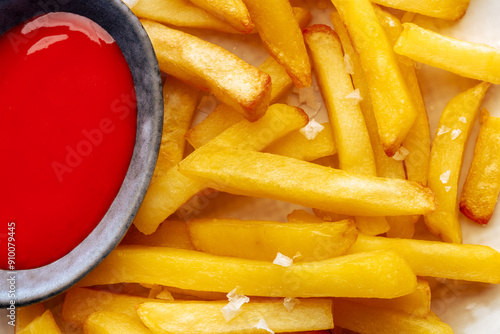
x=232, y=309
x=290, y=303
x=462, y=119
x=443, y=129
x=263, y=325
x=447, y=188
x=283, y=260
x=445, y=177
x=348, y=64
x=401, y=154
x=455, y=133
x=311, y=130
x=355, y=95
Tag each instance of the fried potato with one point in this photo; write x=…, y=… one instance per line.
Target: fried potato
x=206, y=317
x=446, y=161
x=443, y=9
x=106, y=322
x=43, y=324
x=352, y=142
x=267, y=175
x=374, y=274
x=372, y=320
x=471, y=60
x=173, y=189
x=282, y=37
x=474, y=263
x=393, y=104
x=211, y=67
x=26, y=314
x=263, y=240
x=233, y=12
x=171, y=233
x=181, y=13
x=482, y=186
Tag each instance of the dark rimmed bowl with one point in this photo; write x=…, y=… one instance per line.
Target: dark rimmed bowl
x=35, y=285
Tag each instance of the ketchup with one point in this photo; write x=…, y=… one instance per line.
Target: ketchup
x=68, y=121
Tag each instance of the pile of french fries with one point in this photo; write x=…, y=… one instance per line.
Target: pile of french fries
x=352, y=258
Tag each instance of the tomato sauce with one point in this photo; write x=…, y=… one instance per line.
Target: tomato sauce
x=68, y=120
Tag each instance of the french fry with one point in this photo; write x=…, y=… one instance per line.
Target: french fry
x=272, y=176
x=206, y=317
x=179, y=104
x=106, y=322
x=282, y=37
x=372, y=320
x=42, y=324
x=471, y=60
x=181, y=13
x=446, y=161
x=352, y=142
x=211, y=67
x=359, y=275
x=302, y=216
x=296, y=145
x=173, y=189
x=26, y=314
x=480, y=193
x=233, y=12
x=393, y=106
x=263, y=240
x=474, y=263
x=417, y=303
x=171, y=233
x=443, y=9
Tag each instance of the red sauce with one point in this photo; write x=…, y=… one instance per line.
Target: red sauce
x=67, y=129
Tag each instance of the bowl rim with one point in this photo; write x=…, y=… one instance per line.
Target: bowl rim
x=38, y=284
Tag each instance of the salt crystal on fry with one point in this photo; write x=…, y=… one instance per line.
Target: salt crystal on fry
x=355, y=95
x=401, y=154
x=445, y=177
x=232, y=309
x=311, y=130
x=348, y=64
x=443, y=129
x=462, y=119
x=290, y=303
x=283, y=260
x=263, y=325
x=455, y=133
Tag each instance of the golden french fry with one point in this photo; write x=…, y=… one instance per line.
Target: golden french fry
x=474, y=263
x=363, y=275
x=263, y=240
x=443, y=9
x=211, y=67
x=481, y=188
x=43, y=324
x=233, y=12
x=106, y=322
x=296, y=145
x=171, y=233
x=181, y=13
x=179, y=104
x=471, y=60
x=207, y=317
x=281, y=35
x=267, y=175
x=446, y=161
x=26, y=314
x=372, y=320
x=173, y=189
x=393, y=104
x=302, y=216
x=417, y=303
x=352, y=142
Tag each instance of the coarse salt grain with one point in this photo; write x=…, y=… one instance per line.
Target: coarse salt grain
x=263, y=325
x=290, y=303
x=447, y=188
x=311, y=130
x=401, y=154
x=455, y=133
x=445, y=177
x=348, y=64
x=232, y=309
x=462, y=119
x=443, y=129
x=355, y=95
x=283, y=260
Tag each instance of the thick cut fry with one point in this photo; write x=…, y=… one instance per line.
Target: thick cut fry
x=417, y=303
x=442, y=9
x=79, y=303
x=179, y=104
x=43, y=324
x=360, y=275
x=211, y=67
x=233, y=12
x=353, y=141
x=471, y=60
x=447, y=153
x=480, y=192
x=272, y=176
x=171, y=233
x=172, y=190
x=372, y=320
x=26, y=314
x=207, y=317
x=393, y=104
x=296, y=145
x=181, y=13
x=474, y=263
x=263, y=240
x=281, y=35
x=106, y=322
